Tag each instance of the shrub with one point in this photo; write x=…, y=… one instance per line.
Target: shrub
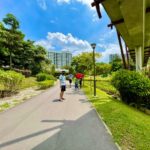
x=26, y=72
x=133, y=87
x=44, y=76
x=11, y=80
x=46, y=84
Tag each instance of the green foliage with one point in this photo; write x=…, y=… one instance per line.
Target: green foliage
x=29, y=82
x=46, y=84
x=107, y=86
x=133, y=87
x=116, y=63
x=11, y=80
x=46, y=67
x=44, y=76
x=103, y=69
x=146, y=71
x=4, y=106
x=79, y=63
x=11, y=21
x=17, y=53
x=103, y=84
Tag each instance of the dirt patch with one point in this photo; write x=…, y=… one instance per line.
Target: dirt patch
x=9, y=102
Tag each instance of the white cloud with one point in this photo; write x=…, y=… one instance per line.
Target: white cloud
x=109, y=48
x=63, y=1
x=84, y=2
x=95, y=18
x=108, y=34
x=45, y=44
x=42, y=4
x=59, y=40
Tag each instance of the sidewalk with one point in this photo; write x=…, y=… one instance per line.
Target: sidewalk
x=44, y=123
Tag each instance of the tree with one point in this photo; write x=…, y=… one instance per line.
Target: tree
x=12, y=37
x=39, y=56
x=19, y=53
x=103, y=68
x=4, y=53
x=25, y=55
x=11, y=21
x=116, y=63
x=84, y=62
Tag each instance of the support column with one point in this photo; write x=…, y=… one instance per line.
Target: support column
x=139, y=60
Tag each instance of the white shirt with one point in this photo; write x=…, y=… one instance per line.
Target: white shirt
x=62, y=79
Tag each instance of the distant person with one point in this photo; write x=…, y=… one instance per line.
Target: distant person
x=70, y=77
x=62, y=80
x=76, y=84
x=80, y=82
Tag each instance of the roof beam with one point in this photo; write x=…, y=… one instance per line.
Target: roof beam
x=148, y=10
x=147, y=47
x=96, y=4
x=121, y=49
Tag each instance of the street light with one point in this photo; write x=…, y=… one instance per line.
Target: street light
x=93, y=45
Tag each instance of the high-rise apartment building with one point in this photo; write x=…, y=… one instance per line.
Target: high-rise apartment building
x=60, y=59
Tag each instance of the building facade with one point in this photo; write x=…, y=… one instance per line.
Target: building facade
x=60, y=59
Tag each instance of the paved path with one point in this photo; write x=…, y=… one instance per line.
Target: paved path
x=44, y=123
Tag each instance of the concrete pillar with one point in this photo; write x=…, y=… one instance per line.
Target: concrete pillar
x=139, y=60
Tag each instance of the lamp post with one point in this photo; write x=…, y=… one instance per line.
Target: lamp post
x=93, y=45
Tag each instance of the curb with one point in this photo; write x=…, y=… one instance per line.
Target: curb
x=107, y=128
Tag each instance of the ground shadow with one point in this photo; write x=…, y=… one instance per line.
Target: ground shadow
x=84, y=133
x=56, y=100
x=83, y=100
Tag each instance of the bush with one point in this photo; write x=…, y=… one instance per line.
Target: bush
x=44, y=76
x=11, y=80
x=46, y=84
x=26, y=72
x=133, y=87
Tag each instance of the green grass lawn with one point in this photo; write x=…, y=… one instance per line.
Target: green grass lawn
x=103, y=84
x=130, y=127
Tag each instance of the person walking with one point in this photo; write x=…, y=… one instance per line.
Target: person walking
x=70, y=76
x=76, y=84
x=62, y=79
x=80, y=82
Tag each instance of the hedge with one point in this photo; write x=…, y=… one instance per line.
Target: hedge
x=44, y=76
x=133, y=87
x=46, y=84
x=11, y=80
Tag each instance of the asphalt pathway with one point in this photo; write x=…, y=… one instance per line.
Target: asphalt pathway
x=44, y=123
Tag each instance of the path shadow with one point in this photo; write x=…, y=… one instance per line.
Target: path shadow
x=83, y=100
x=56, y=100
x=84, y=133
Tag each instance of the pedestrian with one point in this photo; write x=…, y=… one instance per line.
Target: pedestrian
x=80, y=82
x=76, y=84
x=62, y=79
x=70, y=77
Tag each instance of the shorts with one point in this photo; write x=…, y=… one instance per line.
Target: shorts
x=70, y=81
x=76, y=85
x=63, y=88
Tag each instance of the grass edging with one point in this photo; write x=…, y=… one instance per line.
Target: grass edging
x=130, y=127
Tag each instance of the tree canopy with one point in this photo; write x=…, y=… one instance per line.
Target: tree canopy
x=16, y=52
x=84, y=62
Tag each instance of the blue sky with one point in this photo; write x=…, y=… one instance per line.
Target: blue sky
x=63, y=25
